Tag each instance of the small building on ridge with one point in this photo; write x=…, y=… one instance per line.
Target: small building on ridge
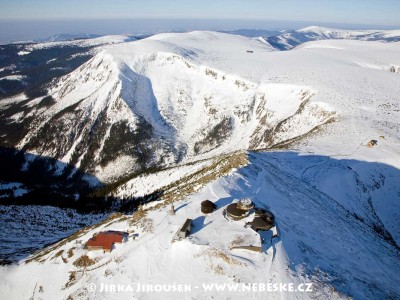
x=105, y=240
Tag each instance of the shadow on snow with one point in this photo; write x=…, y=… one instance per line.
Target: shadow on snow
x=337, y=219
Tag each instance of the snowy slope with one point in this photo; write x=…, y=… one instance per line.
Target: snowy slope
x=320, y=242
x=45, y=224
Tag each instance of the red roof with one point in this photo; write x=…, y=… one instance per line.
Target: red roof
x=106, y=240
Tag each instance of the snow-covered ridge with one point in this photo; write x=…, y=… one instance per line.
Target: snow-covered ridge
x=332, y=31
x=192, y=110
x=92, y=42
x=291, y=39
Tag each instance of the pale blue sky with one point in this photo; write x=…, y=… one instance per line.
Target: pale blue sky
x=378, y=12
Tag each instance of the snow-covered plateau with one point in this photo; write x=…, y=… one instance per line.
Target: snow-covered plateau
x=311, y=134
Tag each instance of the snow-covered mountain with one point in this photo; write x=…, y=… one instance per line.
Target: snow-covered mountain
x=158, y=101
x=179, y=96
x=293, y=38
x=311, y=135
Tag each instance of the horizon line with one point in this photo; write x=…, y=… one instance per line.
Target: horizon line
x=164, y=18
